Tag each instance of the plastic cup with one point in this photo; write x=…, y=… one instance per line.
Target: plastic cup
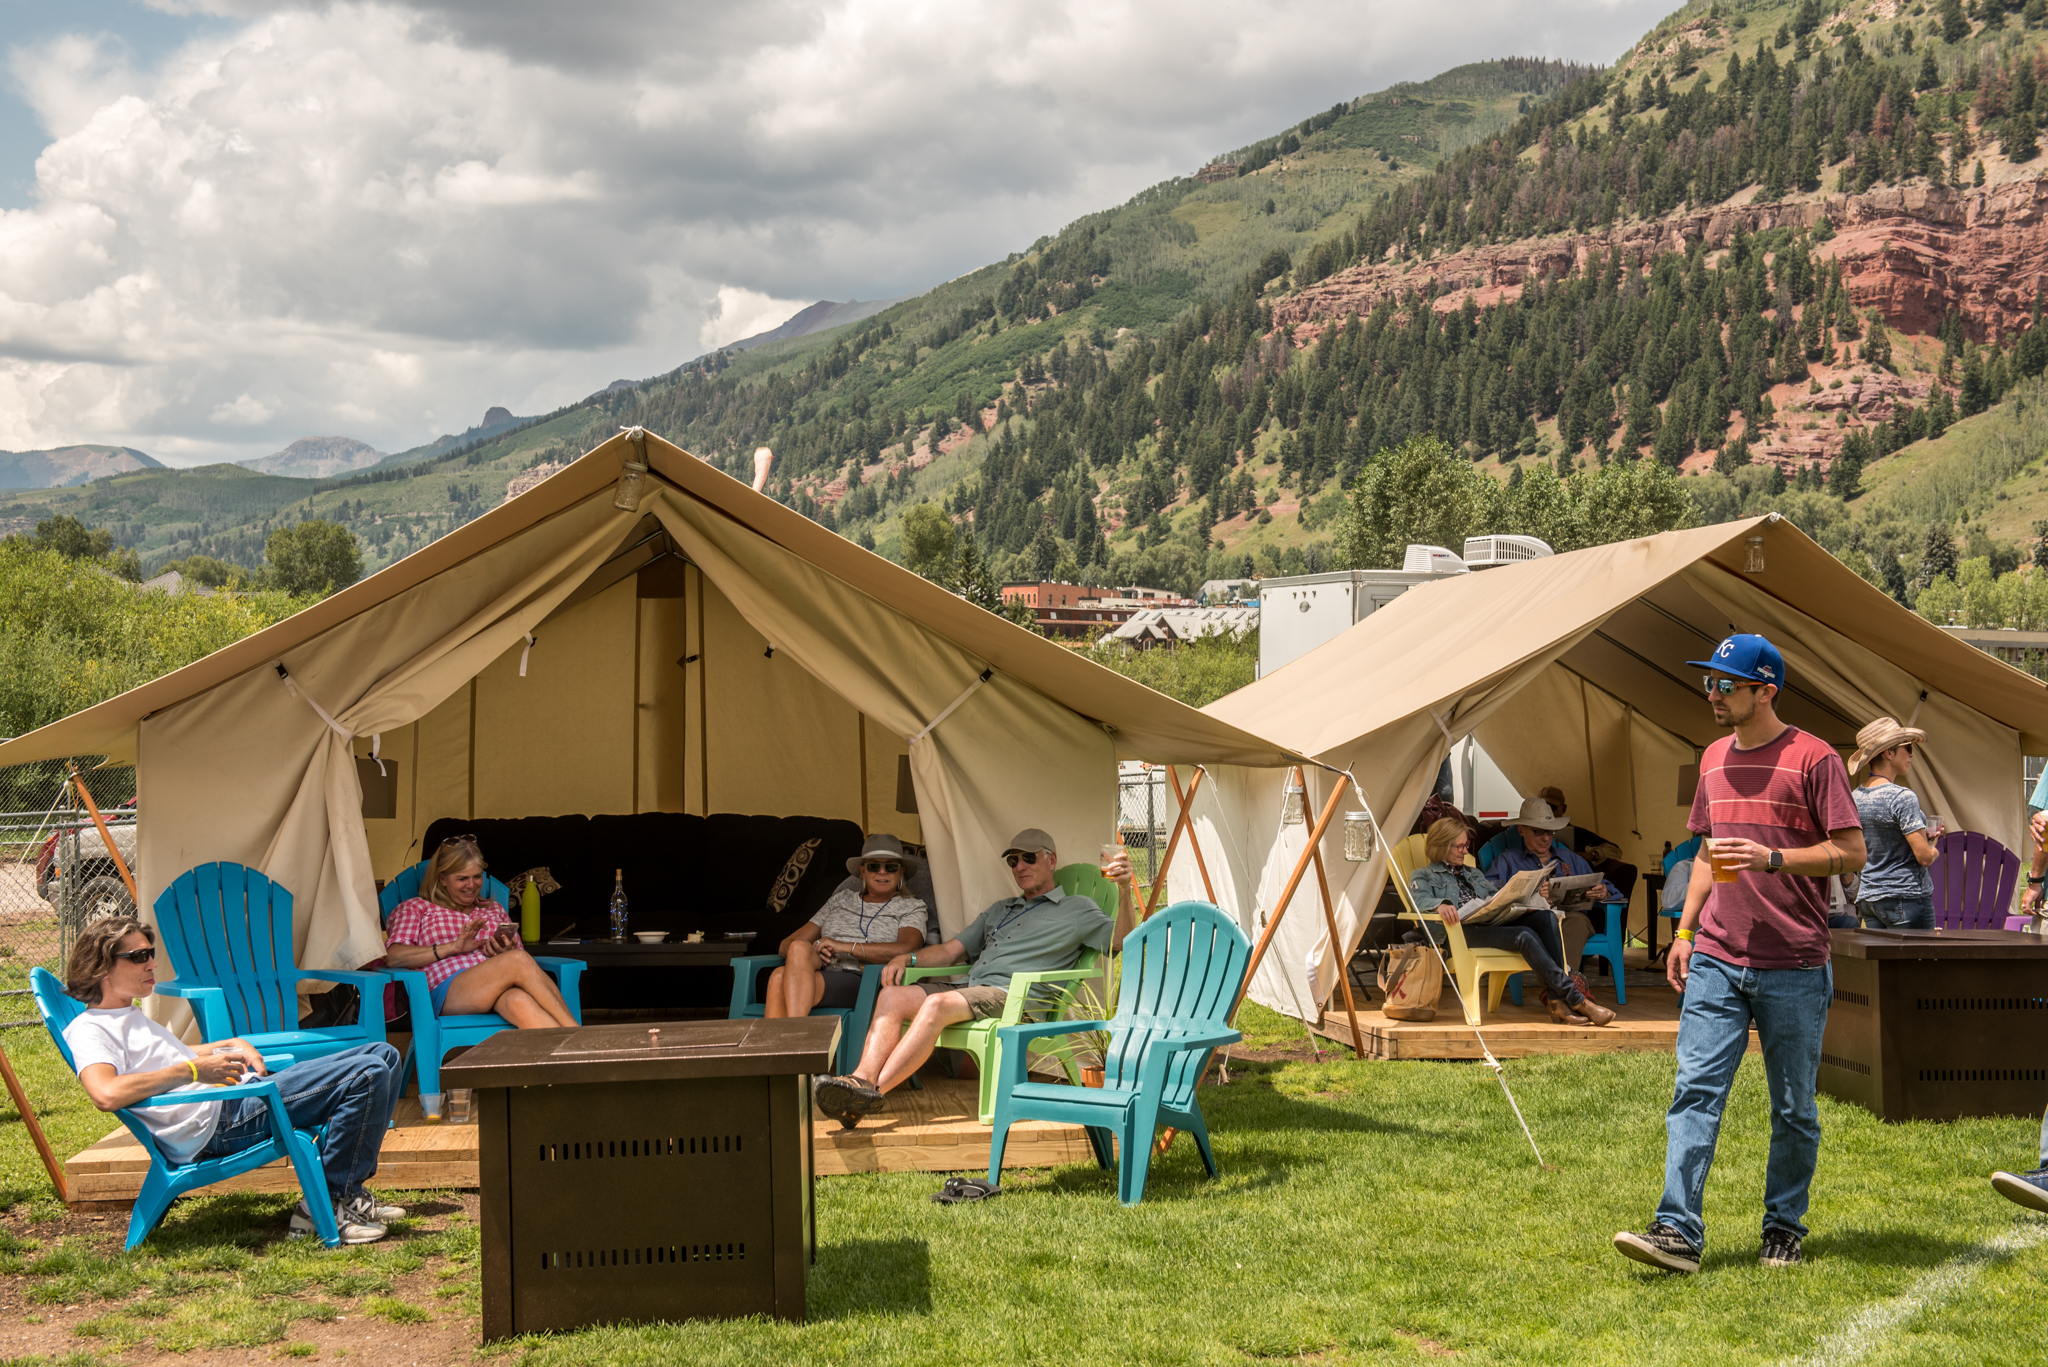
x=1723, y=873
x=1111, y=851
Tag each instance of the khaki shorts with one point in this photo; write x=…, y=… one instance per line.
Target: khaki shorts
x=983, y=1002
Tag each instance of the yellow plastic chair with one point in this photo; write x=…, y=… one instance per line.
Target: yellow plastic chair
x=1470, y=966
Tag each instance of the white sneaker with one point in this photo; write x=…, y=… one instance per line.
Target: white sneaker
x=355, y=1226
x=367, y=1207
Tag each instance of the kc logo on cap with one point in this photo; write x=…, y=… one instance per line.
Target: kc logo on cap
x=1747, y=656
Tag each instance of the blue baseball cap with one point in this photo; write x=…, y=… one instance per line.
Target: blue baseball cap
x=1747, y=657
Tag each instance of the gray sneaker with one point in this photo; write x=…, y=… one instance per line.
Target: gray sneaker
x=364, y=1204
x=1661, y=1245
x=355, y=1227
x=2029, y=1189
x=1780, y=1248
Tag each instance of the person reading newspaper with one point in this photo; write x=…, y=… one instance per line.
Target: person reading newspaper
x=1520, y=921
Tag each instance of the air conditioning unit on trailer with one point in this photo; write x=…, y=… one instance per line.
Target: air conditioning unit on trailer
x=1487, y=552
x=1431, y=560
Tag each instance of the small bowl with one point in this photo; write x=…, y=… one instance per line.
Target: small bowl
x=650, y=937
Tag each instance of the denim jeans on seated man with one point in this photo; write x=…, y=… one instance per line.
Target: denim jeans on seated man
x=352, y=1093
x=1897, y=913
x=1789, y=1007
x=1533, y=935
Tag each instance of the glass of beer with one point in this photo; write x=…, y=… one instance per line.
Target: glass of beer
x=1111, y=851
x=1723, y=872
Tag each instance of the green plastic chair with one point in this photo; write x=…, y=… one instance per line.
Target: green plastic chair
x=982, y=1038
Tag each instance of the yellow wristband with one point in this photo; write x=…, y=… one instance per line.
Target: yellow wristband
x=1682, y=934
x=193, y=1064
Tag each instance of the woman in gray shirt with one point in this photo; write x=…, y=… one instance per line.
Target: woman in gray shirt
x=823, y=957
x=1895, y=892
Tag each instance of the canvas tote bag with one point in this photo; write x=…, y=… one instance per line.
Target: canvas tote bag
x=1411, y=979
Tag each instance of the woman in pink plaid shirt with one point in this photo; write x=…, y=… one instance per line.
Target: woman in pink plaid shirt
x=469, y=948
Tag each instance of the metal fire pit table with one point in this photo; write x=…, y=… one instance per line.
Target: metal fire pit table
x=1937, y=1025
x=645, y=1172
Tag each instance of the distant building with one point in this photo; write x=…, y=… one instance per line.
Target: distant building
x=1228, y=591
x=1170, y=626
x=1047, y=593
x=170, y=581
x=1063, y=609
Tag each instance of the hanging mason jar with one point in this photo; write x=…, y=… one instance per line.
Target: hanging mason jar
x=1292, y=810
x=1361, y=837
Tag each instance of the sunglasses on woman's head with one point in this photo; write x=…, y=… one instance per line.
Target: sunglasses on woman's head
x=468, y=840
x=137, y=956
x=877, y=866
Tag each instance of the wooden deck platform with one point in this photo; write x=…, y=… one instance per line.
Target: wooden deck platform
x=1647, y=1022
x=933, y=1130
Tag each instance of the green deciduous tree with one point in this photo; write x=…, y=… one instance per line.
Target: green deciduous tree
x=316, y=558
x=928, y=542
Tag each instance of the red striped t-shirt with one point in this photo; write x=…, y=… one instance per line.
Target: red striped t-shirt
x=1787, y=794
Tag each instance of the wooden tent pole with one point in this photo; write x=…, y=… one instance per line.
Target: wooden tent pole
x=1337, y=948
x=120, y=864
x=1194, y=843
x=35, y=1129
x=1159, y=874
x=1287, y=895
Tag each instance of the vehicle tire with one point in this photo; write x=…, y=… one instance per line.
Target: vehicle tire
x=101, y=897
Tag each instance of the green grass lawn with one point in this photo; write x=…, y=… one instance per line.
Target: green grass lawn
x=1367, y=1212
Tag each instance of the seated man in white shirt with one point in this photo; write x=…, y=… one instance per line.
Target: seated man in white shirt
x=123, y=1056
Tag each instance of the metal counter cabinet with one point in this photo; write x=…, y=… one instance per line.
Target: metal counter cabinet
x=645, y=1172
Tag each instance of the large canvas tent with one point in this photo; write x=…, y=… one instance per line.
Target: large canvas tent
x=1571, y=671
x=703, y=650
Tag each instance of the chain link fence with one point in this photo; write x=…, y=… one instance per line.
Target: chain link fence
x=55, y=872
x=1145, y=812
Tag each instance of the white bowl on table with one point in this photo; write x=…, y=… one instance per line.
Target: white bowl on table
x=650, y=937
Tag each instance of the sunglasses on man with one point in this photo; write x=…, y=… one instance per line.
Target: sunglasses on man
x=1016, y=857
x=879, y=866
x=137, y=956
x=1725, y=686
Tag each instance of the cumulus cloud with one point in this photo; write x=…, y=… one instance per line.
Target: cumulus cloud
x=389, y=216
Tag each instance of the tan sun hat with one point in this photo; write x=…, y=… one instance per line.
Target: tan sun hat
x=1880, y=736
x=884, y=847
x=1536, y=812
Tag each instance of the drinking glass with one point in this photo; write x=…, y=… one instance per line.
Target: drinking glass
x=1723, y=873
x=1110, y=850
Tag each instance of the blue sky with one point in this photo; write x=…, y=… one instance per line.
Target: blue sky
x=228, y=224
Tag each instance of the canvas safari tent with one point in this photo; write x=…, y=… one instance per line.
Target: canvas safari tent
x=703, y=649
x=1571, y=671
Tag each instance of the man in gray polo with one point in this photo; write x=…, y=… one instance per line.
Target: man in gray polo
x=1040, y=929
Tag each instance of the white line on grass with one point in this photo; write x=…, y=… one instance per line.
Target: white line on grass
x=1870, y=1328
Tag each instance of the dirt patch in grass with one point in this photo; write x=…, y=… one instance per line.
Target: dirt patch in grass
x=427, y=1314
x=1427, y=1346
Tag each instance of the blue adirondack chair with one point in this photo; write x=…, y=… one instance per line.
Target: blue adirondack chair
x=435, y=1037
x=748, y=972
x=166, y=1181
x=1181, y=972
x=1684, y=850
x=1974, y=877
x=228, y=931
x=1604, y=944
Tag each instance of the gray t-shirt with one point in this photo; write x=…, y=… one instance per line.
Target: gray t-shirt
x=845, y=917
x=1890, y=812
x=1032, y=936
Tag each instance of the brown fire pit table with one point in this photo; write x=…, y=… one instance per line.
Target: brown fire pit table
x=645, y=1172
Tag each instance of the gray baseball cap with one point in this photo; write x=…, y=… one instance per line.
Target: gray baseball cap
x=1030, y=840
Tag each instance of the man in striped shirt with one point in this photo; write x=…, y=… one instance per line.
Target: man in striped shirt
x=1777, y=818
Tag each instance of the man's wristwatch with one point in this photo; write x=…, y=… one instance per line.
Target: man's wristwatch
x=2035, y=880
x=1776, y=863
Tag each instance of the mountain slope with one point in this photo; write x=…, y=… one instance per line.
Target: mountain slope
x=318, y=458
x=819, y=317
x=62, y=466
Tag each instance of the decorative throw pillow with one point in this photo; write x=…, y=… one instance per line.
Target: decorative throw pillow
x=793, y=870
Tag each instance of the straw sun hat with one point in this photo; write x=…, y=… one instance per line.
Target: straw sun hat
x=885, y=847
x=1880, y=736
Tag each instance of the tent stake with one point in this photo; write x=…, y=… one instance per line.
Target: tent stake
x=120, y=864
x=1329, y=812
x=35, y=1129
x=1337, y=948
x=1173, y=841
x=1195, y=844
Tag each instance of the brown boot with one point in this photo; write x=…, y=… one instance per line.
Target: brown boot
x=1562, y=1014
x=1593, y=1011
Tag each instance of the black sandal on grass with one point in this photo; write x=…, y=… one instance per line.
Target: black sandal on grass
x=960, y=1190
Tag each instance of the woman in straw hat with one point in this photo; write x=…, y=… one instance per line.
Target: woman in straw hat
x=1895, y=892
x=871, y=924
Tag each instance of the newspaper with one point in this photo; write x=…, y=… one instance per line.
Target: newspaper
x=1517, y=896
x=1575, y=891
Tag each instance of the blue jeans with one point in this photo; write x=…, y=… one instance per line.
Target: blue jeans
x=1790, y=1009
x=1534, y=936
x=1898, y=913
x=352, y=1093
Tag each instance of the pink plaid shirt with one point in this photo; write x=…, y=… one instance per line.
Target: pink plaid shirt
x=422, y=923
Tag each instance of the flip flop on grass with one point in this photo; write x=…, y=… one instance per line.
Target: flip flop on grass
x=959, y=1190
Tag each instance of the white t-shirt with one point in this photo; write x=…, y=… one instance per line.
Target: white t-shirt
x=133, y=1043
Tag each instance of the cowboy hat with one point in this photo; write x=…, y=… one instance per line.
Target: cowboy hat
x=884, y=847
x=1536, y=812
x=1880, y=736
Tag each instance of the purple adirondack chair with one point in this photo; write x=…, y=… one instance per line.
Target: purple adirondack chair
x=1974, y=877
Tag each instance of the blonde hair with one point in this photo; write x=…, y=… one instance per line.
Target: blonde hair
x=454, y=853
x=1443, y=834
x=92, y=955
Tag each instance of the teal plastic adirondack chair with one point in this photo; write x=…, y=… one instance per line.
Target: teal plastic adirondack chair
x=1606, y=944
x=228, y=930
x=983, y=1038
x=166, y=1181
x=1181, y=973
x=747, y=973
x=435, y=1037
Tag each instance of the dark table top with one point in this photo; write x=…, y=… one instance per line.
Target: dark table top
x=640, y=1053
x=632, y=954
x=1938, y=944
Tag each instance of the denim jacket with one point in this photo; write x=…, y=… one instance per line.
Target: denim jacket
x=1437, y=883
